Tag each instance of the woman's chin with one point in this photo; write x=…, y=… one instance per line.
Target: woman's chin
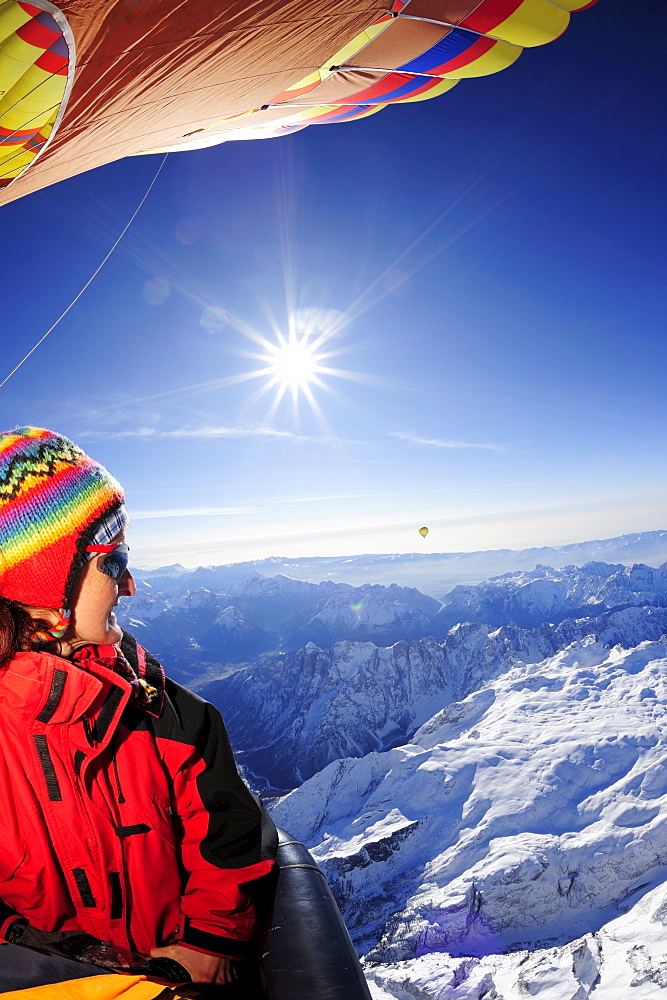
x=114, y=631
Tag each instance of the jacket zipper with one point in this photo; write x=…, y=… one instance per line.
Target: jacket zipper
x=119, y=791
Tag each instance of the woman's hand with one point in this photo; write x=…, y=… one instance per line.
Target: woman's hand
x=203, y=968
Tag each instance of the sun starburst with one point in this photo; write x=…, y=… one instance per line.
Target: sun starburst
x=294, y=363
x=297, y=362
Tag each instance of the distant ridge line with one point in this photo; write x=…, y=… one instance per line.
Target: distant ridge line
x=433, y=573
x=643, y=535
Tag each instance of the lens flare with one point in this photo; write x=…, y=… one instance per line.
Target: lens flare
x=156, y=291
x=214, y=319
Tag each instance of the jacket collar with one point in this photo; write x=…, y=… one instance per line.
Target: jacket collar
x=44, y=688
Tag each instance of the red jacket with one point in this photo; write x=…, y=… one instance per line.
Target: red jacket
x=128, y=823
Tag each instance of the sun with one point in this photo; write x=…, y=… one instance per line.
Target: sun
x=294, y=363
x=295, y=359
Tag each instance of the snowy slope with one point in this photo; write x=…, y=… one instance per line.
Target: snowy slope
x=625, y=960
x=526, y=815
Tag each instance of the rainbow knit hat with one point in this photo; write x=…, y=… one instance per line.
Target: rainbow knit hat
x=53, y=497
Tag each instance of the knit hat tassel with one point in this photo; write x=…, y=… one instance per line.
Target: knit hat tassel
x=58, y=630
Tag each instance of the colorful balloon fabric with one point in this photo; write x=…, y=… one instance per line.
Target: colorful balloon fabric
x=34, y=59
x=85, y=82
x=423, y=532
x=418, y=51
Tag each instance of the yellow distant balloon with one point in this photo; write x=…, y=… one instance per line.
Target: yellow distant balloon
x=423, y=532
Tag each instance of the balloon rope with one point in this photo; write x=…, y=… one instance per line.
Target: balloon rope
x=92, y=277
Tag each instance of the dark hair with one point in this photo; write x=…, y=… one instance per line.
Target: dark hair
x=17, y=629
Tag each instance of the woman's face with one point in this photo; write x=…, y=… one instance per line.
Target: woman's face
x=93, y=619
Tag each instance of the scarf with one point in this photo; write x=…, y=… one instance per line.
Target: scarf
x=142, y=693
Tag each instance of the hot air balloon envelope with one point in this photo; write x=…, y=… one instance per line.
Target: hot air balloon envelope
x=86, y=82
x=423, y=532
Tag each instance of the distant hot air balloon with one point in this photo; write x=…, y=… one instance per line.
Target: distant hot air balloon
x=423, y=532
x=85, y=82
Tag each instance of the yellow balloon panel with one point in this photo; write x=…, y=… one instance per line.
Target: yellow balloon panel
x=15, y=58
x=32, y=100
x=534, y=22
x=11, y=17
x=499, y=57
x=574, y=5
x=34, y=61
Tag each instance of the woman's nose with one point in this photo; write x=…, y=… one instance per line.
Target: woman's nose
x=126, y=585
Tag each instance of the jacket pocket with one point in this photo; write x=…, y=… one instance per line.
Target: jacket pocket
x=161, y=819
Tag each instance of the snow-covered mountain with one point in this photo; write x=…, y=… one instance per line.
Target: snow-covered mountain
x=195, y=634
x=280, y=603
x=371, y=613
x=528, y=814
x=280, y=613
x=290, y=715
x=545, y=594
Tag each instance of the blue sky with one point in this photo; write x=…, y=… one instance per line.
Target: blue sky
x=489, y=265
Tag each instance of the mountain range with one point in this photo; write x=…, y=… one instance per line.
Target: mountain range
x=205, y=633
x=290, y=715
x=433, y=573
x=201, y=631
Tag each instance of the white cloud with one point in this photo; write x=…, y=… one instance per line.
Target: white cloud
x=442, y=443
x=190, y=433
x=253, y=507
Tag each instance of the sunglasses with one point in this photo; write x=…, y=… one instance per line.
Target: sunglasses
x=115, y=561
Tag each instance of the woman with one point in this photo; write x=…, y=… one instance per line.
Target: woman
x=123, y=814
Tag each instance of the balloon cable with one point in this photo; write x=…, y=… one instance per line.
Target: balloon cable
x=91, y=278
